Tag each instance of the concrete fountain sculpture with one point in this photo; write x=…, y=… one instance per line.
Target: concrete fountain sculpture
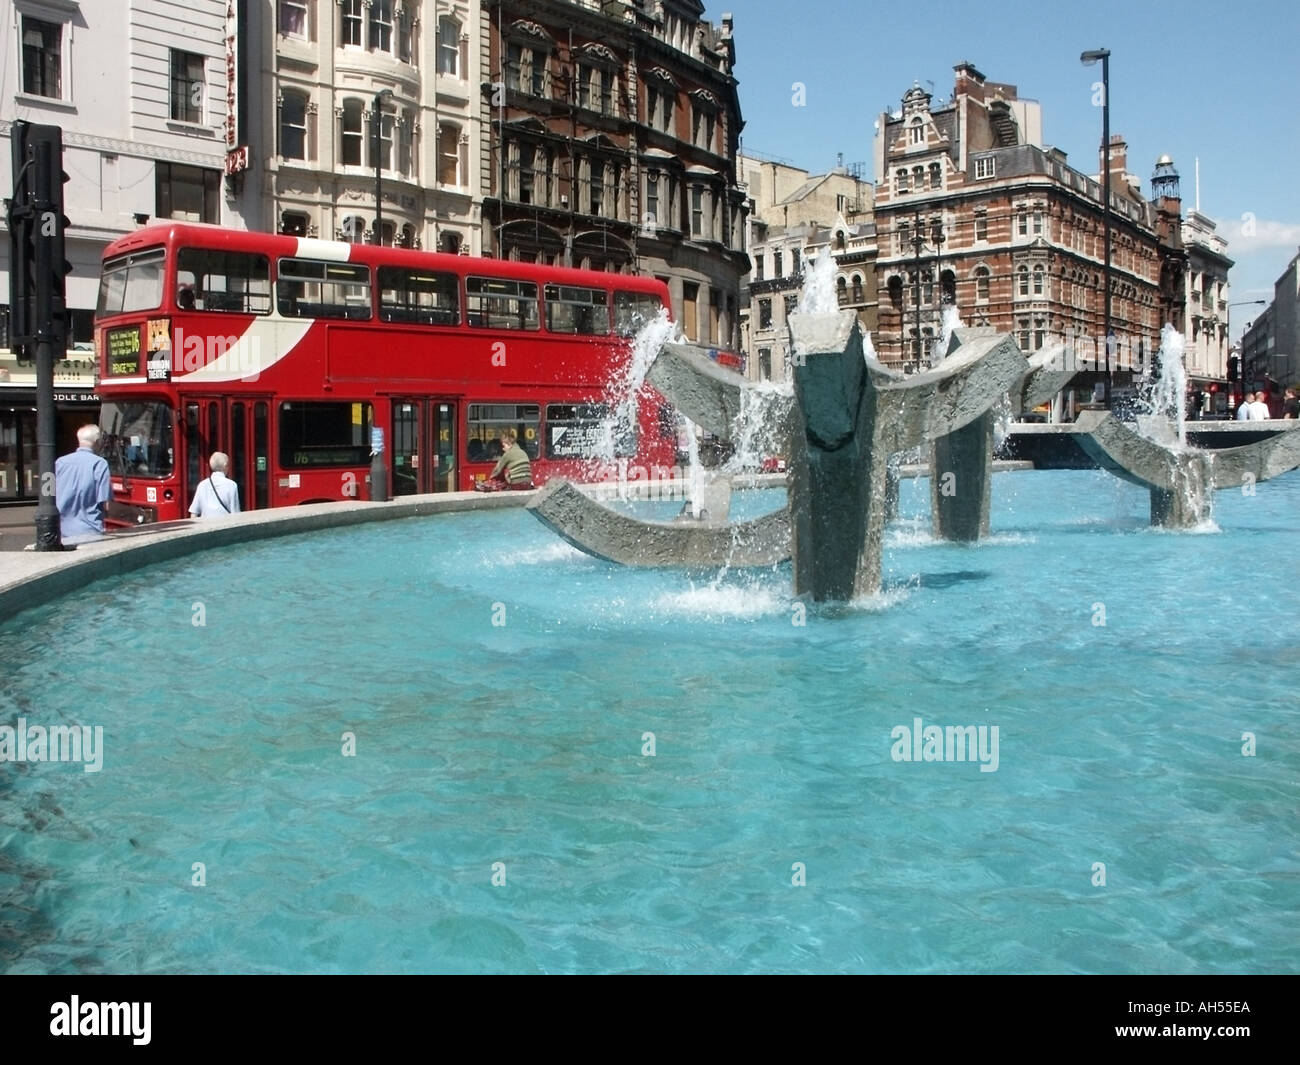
x=843, y=426
x=849, y=414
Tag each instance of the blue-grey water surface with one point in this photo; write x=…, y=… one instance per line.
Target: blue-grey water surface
x=521, y=743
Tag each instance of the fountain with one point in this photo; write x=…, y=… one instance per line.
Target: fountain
x=470, y=748
x=848, y=419
x=1181, y=480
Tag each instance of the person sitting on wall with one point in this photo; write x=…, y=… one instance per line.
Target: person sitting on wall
x=513, y=468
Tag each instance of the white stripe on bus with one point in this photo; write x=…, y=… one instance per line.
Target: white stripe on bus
x=264, y=343
x=336, y=250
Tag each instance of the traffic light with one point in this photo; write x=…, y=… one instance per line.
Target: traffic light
x=37, y=224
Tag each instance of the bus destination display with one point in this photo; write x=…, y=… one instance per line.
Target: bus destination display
x=123, y=351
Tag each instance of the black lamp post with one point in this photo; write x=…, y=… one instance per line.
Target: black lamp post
x=918, y=242
x=1088, y=59
x=377, y=117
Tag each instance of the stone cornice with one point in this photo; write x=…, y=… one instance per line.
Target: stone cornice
x=133, y=148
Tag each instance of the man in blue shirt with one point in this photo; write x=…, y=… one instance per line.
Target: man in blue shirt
x=81, y=489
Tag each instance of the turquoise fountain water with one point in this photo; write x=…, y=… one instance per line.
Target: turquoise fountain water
x=520, y=752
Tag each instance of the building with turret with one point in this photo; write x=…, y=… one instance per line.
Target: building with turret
x=974, y=210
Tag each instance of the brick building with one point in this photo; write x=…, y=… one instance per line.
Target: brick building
x=614, y=128
x=973, y=210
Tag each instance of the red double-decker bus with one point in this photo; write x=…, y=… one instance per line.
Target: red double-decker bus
x=286, y=352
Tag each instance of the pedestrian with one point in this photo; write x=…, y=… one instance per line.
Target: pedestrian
x=81, y=489
x=1243, y=408
x=217, y=495
x=1290, y=405
x=1259, y=409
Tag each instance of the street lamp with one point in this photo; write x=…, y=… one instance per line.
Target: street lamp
x=1088, y=59
x=918, y=242
x=1241, y=348
x=378, y=120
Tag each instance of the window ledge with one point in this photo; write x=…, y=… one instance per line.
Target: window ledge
x=29, y=100
x=193, y=129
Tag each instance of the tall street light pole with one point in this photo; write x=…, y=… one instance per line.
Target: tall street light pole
x=1088, y=59
x=918, y=242
x=377, y=117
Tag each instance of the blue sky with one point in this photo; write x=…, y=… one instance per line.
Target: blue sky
x=1196, y=78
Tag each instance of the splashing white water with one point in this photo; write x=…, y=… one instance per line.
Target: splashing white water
x=1165, y=398
x=695, y=470
x=758, y=431
x=623, y=392
x=818, y=296
x=950, y=321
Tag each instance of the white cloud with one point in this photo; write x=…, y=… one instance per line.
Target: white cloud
x=1249, y=234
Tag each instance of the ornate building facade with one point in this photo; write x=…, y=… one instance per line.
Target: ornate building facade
x=611, y=137
x=974, y=211
x=371, y=98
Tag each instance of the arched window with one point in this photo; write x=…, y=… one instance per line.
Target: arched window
x=896, y=292
x=1038, y=280
x=981, y=284
x=936, y=175
x=408, y=236
x=842, y=291
x=918, y=178
x=839, y=240
x=857, y=288
x=1023, y=274
x=449, y=47
x=916, y=131
x=350, y=134
x=900, y=181
x=385, y=122
x=904, y=237
x=947, y=287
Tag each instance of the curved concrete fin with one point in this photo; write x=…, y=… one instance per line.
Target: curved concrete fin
x=1261, y=460
x=1120, y=450
x=956, y=392
x=1046, y=376
x=617, y=537
x=697, y=386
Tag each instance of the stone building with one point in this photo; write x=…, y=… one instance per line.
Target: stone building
x=140, y=93
x=972, y=209
x=1207, y=299
x=610, y=139
x=367, y=98
x=141, y=98
x=1269, y=344
x=794, y=217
